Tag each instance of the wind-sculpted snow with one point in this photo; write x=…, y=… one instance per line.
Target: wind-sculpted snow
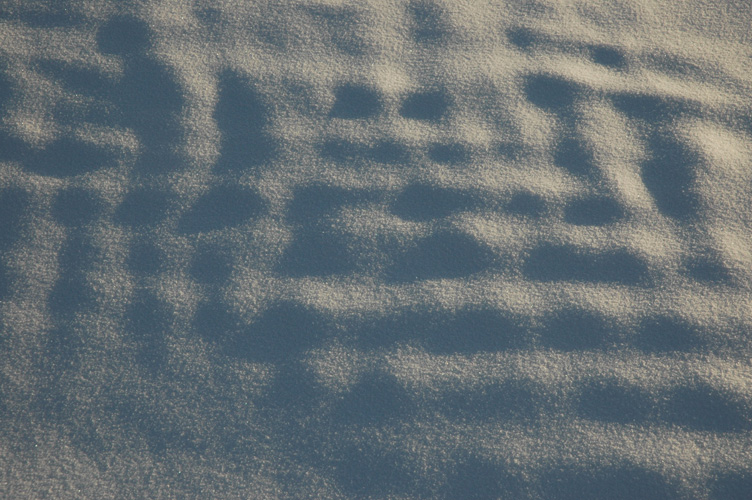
x=379, y=249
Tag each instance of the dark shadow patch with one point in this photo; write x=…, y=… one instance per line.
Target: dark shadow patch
x=731, y=486
x=551, y=93
x=71, y=294
x=449, y=154
x=495, y=402
x=61, y=355
x=475, y=479
x=76, y=207
x=14, y=203
x=389, y=152
x=312, y=203
x=704, y=408
x=343, y=25
x=376, y=399
x=366, y=471
x=148, y=321
x=612, y=401
x=607, y=56
x=77, y=254
x=421, y=202
x=150, y=101
x=576, y=330
x=471, y=331
x=595, y=211
x=669, y=174
x=42, y=15
x=220, y=208
x=145, y=258
x=467, y=331
x=650, y=108
x=67, y=157
x=142, y=208
x=317, y=251
x=444, y=255
x=215, y=322
x=157, y=433
x=355, y=101
x=573, y=156
x=242, y=117
x=340, y=151
x=510, y=151
x=708, y=269
x=429, y=23
x=77, y=79
x=522, y=38
x=428, y=105
x=123, y=36
x=6, y=282
x=292, y=394
x=626, y=482
x=281, y=333
x=564, y=263
x=211, y=267
x=526, y=205
x=667, y=334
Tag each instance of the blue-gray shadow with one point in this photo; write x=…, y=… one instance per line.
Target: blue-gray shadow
x=731, y=486
x=145, y=258
x=564, y=263
x=355, y=101
x=467, y=331
x=281, y=333
x=449, y=154
x=473, y=478
x=72, y=293
x=142, y=208
x=14, y=204
x=700, y=407
x=243, y=117
x=614, y=401
x=211, y=266
x=608, y=56
x=429, y=24
x=574, y=157
x=508, y=401
x=523, y=38
x=708, y=268
x=593, y=211
x=47, y=15
x=426, y=105
x=148, y=98
x=551, y=93
x=443, y=255
x=618, y=482
x=376, y=399
x=317, y=249
x=221, y=207
x=526, y=205
x=668, y=174
x=76, y=207
x=575, y=330
x=344, y=27
x=663, y=334
x=421, y=202
x=148, y=320
x=366, y=471
x=652, y=109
